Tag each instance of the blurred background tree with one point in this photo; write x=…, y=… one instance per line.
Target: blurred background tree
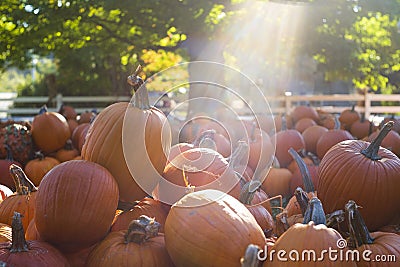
x=92, y=46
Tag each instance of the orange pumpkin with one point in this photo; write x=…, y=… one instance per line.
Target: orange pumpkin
x=37, y=168
x=50, y=131
x=22, y=201
x=215, y=216
x=68, y=152
x=133, y=133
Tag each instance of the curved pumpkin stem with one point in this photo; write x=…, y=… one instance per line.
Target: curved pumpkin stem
x=43, y=110
x=359, y=233
x=206, y=139
x=315, y=212
x=250, y=258
x=302, y=199
x=142, y=229
x=23, y=185
x=371, y=151
x=241, y=151
x=141, y=95
x=248, y=190
x=18, y=236
x=337, y=123
x=307, y=182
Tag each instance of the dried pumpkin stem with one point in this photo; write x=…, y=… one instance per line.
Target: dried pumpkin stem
x=337, y=123
x=315, y=212
x=248, y=190
x=142, y=229
x=141, y=95
x=206, y=140
x=371, y=151
x=307, y=182
x=240, y=153
x=302, y=199
x=250, y=258
x=18, y=236
x=23, y=185
x=359, y=233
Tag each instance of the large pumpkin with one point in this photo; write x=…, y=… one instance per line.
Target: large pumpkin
x=75, y=205
x=132, y=141
x=210, y=228
x=363, y=172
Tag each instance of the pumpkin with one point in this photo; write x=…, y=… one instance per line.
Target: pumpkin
x=68, y=112
x=68, y=152
x=75, y=205
x=261, y=150
x=5, y=176
x=376, y=244
x=31, y=232
x=216, y=141
x=147, y=206
x=361, y=128
x=16, y=137
x=283, y=122
x=348, y=117
x=391, y=141
x=331, y=138
x=224, y=228
x=20, y=252
x=36, y=169
x=259, y=211
x=356, y=170
x=300, y=112
x=312, y=236
x=22, y=201
x=86, y=116
x=50, y=130
x=72, y=125
x=303, y=124
x=277, y=181
x=311, y=136
x=283, y=141
x=140, y=245
x=197, y=169
x=132, y=141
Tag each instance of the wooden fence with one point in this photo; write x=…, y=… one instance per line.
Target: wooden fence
x=368, y=103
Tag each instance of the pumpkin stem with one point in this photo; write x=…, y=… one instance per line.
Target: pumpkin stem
x=240, y=153
x=371, y=151
x=248, y=190
x=315, y=212
x=359, y=233
x=23, y=185
x=141, y=95
x=337, y=123
x=39, y=155
x=284, y=123
x=307, y=182
x=142, y=229
x=250, y=258
x=68, y=145
x=18, y=243
x=43, y=110
x=302, y=199
x=206, y=140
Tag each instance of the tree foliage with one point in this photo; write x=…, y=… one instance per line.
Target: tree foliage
x=97, y=44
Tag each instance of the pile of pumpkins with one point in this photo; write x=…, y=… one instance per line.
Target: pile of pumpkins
x=110, y=189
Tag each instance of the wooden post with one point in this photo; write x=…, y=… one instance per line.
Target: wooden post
x=367, y=105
